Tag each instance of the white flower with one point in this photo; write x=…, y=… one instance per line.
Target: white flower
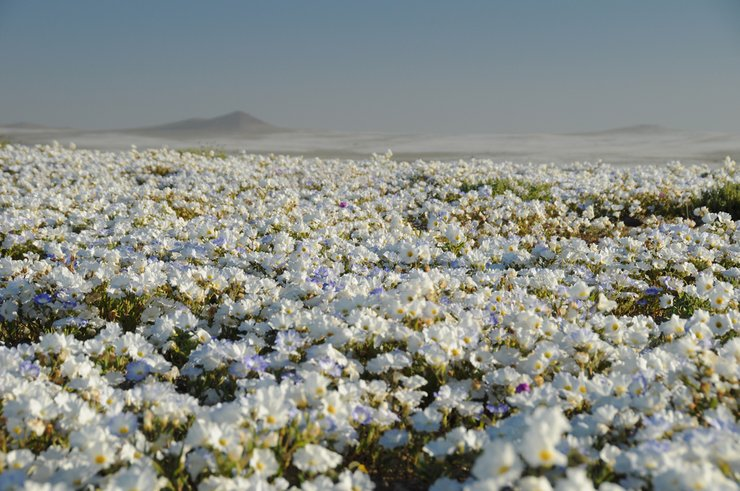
x=580, y=291
x=538, y=452
x=354, y=481
x=394, y=438
x=101, y=454
x=538, y=444
x=137, y=477
x=604, y=304
x=576, y=480
x=719, y=298
x=534, y=483
x=499, y=463
x=263, y=462
x=315, y=458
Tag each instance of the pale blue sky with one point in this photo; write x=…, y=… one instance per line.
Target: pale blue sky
x=396, y=66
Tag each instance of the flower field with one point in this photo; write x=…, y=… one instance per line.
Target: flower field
x=192, y=320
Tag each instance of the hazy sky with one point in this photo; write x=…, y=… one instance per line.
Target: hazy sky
x=396, y=66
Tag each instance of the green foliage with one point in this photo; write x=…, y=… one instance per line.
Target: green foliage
x=684, y=305
x=528, y=191
x=19, y=251
x=722, y=197
x=126, y=310
x=22, y=331
x=212, y=153
x=725, y=197
x=160, y=170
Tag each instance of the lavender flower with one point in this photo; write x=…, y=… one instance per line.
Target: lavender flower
x=137, y=370
x=498, y=409
x=29, y=369
x=43, y=299
x=255, y=363
x=362, y=414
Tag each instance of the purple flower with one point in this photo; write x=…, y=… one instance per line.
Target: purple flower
x=320, y=275
x=331, y=424
x=343, y=204
x=523, y=387
x=137, y=370
x=498, y=409
x=69, y=304
x=42, y=299
x=652, y=291
x=256, y=363
x=292, y=376
x=29, y=369
x=362, y=414
x=330, y=366
x=250, y=363
x=642, y=379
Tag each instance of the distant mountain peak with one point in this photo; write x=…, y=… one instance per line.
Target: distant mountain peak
x=235, y=124
x=239, y=119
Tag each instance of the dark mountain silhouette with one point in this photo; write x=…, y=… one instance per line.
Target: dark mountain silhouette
x=235, y=124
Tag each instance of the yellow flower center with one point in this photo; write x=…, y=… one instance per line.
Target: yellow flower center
x=546, y=455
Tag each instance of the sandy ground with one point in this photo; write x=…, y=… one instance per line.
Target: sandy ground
x=635, y=145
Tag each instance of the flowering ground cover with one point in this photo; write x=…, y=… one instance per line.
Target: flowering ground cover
x=172, y=320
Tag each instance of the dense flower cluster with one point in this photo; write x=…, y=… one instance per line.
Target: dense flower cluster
x=172, y=320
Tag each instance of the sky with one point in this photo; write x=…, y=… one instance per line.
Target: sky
x=412, y=66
